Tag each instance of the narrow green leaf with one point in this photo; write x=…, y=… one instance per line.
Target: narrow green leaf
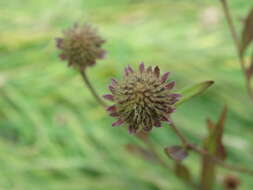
x=193, y=91
x=250, y=68
x=247, y=32
x=219, y=132
x=214, y=141
x=214, y=145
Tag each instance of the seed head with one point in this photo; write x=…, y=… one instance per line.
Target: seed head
x=142, y=99
x=231, y=182
x=80, y=46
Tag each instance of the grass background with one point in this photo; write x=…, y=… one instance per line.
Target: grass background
x=53, y=135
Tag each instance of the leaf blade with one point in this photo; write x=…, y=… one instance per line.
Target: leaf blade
x=193, y=91
x=247, y=32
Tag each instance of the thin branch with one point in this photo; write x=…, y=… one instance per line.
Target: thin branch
x=232, y=27
x=152, y=149
x=179, y=134
x=237, y=45
x=149, y=144
x=220, y=162
x=92, y=90
x=198, y=150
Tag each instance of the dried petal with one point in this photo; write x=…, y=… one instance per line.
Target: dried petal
x=131, y=130
x=175, y=95
x=130, y=69
x=118, y=122
x=168, y=120
x=111, y=108
x=157, y=123
x=114, y=82
x=165, y=77
x=126, y=71
x=149, y=69
x=111, y=88
x=59, y=42
x=142, y=67
x=157, y=71
x=63, y=57
x=170, y=85
x=147, y=128
x=108, y=97
x=114, y=114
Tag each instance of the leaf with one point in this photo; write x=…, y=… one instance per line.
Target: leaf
x=219, y=130
x=214, y=142
x=176, y=153
x=214, y=145
x=250, y=68
x=182, y=172
x=210, y=125
x=141, y=152
x=193, y=91
x=247, y=32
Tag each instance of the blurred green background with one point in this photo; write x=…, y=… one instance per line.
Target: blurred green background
x=53, y=135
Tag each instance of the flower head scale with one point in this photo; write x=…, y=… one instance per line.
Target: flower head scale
x=80, y=46
x=142, y=99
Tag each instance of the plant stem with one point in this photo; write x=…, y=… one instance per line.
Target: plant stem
x=237, y=45
x=232, y=27
x=200, y=151
x=92, y=90
x=152, y=149
x=220, y=162
x=179, y=134
x=208, y=173
x=149, y=144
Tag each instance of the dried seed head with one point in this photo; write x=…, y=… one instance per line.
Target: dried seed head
x=142, y=99
x=80, y=46
x=231, y=182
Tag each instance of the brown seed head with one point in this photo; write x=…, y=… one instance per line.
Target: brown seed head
x=142, y=99
x=80, y=46
x=231, y=182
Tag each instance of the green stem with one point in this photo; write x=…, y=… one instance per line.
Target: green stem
x=203, y=152
x=152, y=148
x=237, y=45
x=208, y=174
x=92, y=90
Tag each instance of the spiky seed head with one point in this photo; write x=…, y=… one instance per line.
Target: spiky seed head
x=143, y=99
x=81, y=46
